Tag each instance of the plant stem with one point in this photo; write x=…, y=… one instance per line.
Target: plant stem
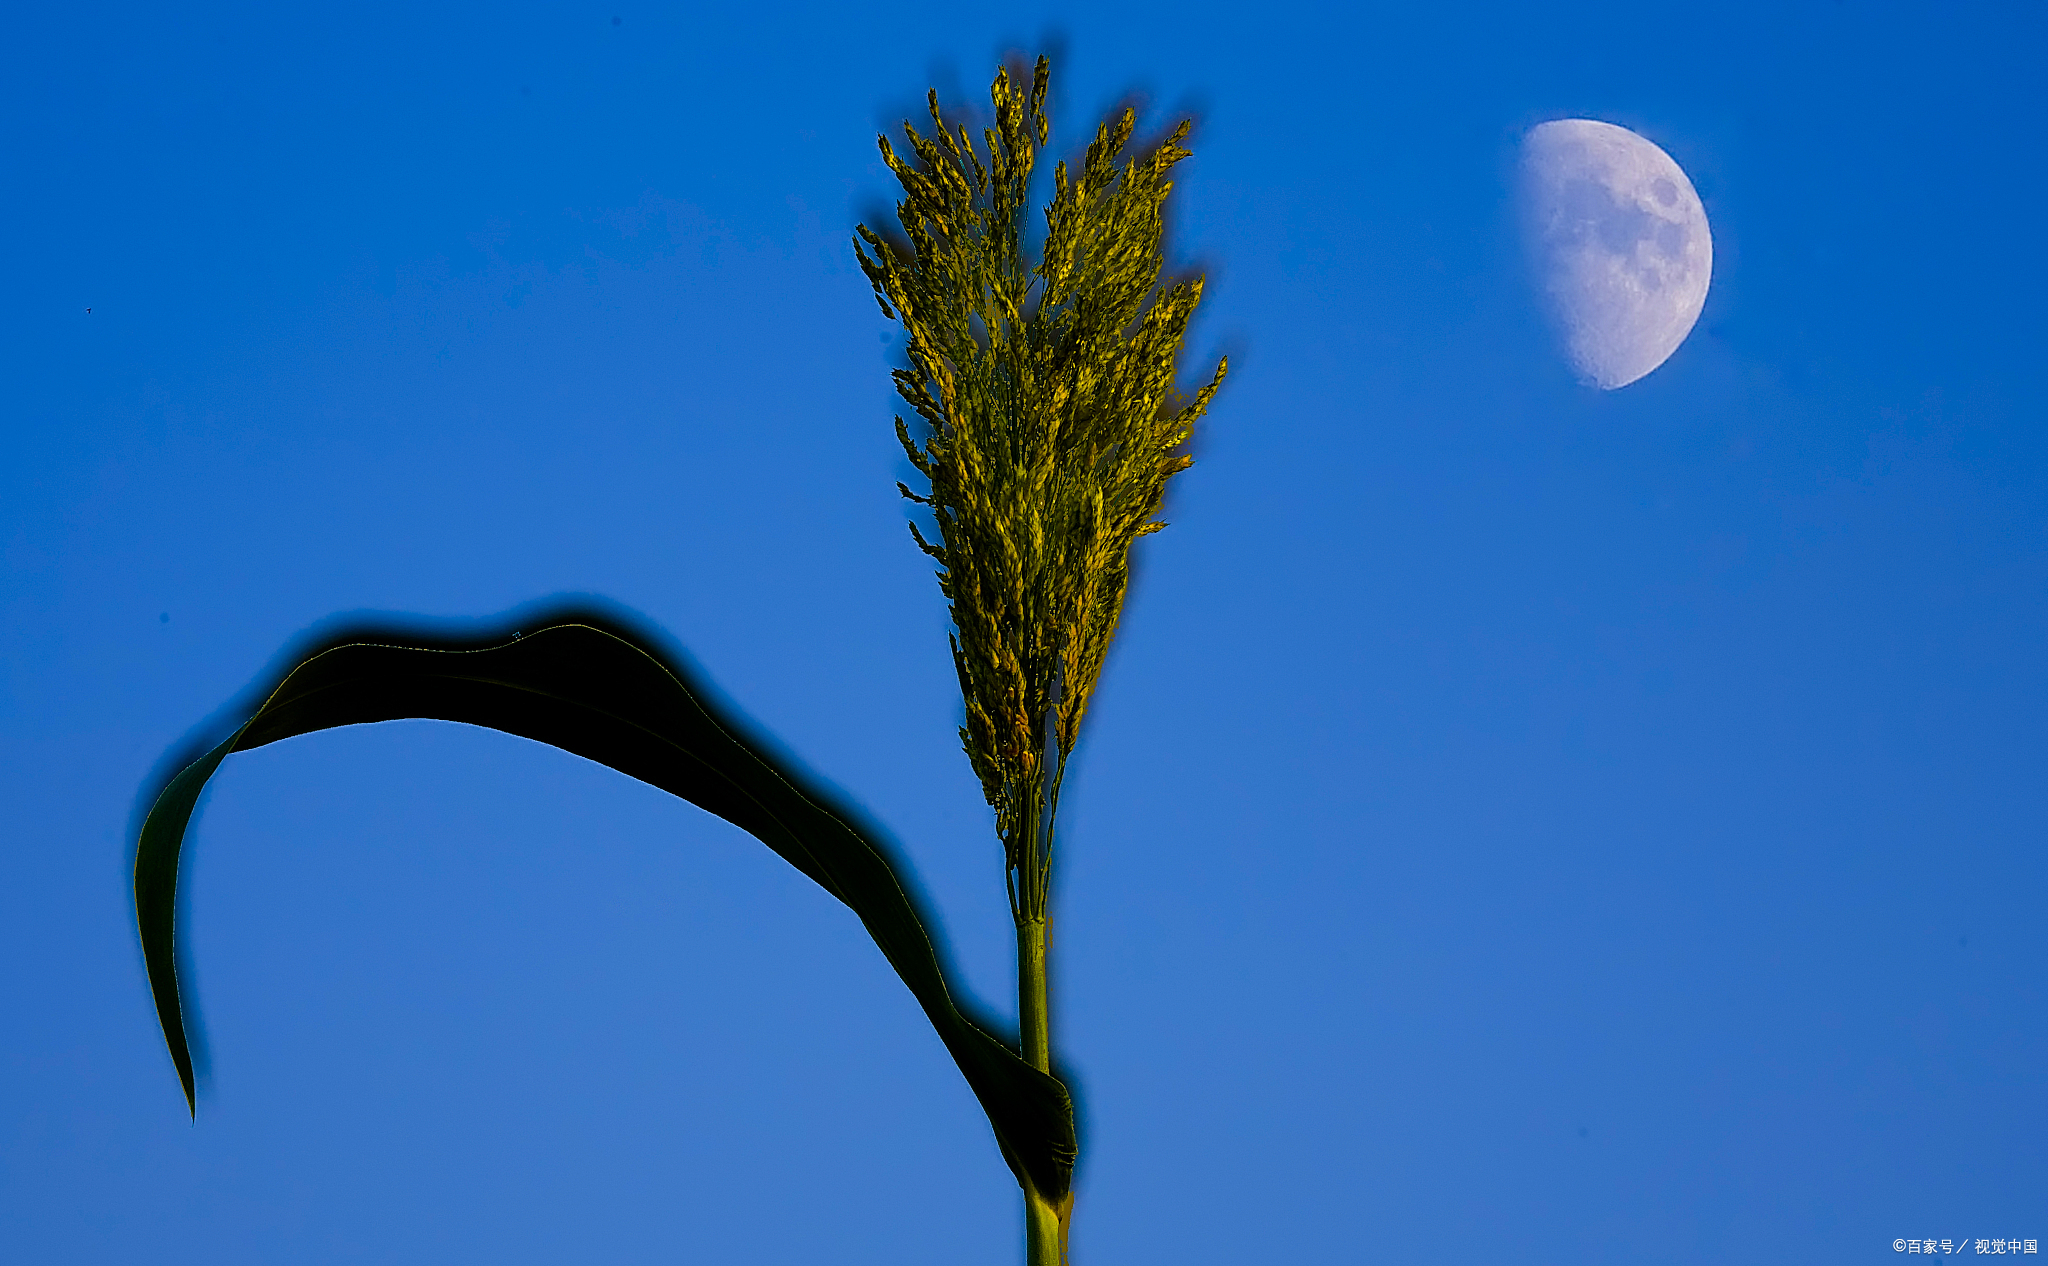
x=1042, y=1230
x=1043, y=1244
x=1031, y=1012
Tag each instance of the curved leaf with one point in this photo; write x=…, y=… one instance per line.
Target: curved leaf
x=603, y=698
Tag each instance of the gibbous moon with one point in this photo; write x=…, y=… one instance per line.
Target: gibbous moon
x=1619, y=244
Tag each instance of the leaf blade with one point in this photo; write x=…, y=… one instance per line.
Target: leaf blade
x=597, y=695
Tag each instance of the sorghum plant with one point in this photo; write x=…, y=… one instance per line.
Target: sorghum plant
x=1051, y=428
x=1050, y=425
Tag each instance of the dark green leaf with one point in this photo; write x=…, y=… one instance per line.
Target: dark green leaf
x=603, y=698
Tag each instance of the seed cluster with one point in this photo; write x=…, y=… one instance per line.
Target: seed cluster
x=1051, y=423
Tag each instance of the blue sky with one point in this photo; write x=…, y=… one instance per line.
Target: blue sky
x=1518, y=823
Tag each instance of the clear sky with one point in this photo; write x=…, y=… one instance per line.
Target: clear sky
x=1518, y=823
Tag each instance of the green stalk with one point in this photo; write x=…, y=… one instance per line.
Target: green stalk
x=1043, y=1238
x=1044, y=1225
x=1032, y=1018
